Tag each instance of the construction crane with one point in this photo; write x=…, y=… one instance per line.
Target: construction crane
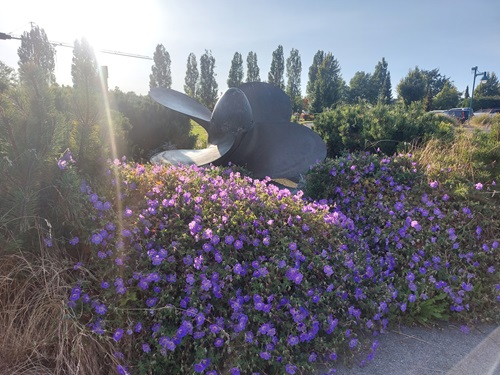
x=4, y=36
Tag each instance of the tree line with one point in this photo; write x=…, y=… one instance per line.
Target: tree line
x=325, y=87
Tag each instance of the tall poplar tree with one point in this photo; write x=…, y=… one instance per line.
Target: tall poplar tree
x=253, y=70
x=192, y=74
x=293, y=72
x=207, y=92
x=277, y=71
x=36, y=52
x=161, y=75
x=236, y=72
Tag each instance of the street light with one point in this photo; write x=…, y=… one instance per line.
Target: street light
x=483, y=80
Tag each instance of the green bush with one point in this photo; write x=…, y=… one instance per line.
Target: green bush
x=388, y=128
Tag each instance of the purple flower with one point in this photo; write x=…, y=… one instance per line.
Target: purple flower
x=100, y=309
x=104, y=285
x=290, y=369
x=74, y=241
x=312, y=357
x=478, y=186
x=353, y=343
x=201, y=366
x=238, y=244
x=235, y=371
x=328, y=270
x=75, y=294
x=96, y=238
x=293, y=340
x=118, y=334
x=265, y=355
x=218, y=342
x=229, y=240
x=294, y=275
x=198, y=261
x=146, y=348
x=190, y=279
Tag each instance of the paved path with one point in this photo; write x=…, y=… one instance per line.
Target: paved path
x=431, y=351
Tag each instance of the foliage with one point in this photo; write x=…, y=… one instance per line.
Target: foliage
x=328, y=87
x=374, y=88
x=153, y=127
x=443, y=250
x=385, y=127
x=313, y=72
x=470, y=159
x=293, y=72
x=276, y=75
x=204, y=270
x=413, y=87
x=160, y=76
x=447, y=98
x=30, y=141
x=360, y=88
x=489, y=88
x=207, y=90
x=191, y=79
x=482, y=102
x=235, y=77
x=253, y=71
x=201, y=135
x=381, y=82
x=36, y=52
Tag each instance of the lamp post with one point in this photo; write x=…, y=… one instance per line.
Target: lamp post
x=483, y=80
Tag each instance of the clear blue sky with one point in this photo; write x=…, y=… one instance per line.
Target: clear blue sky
x=451, y=35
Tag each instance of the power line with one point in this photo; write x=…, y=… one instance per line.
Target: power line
x=4, y=36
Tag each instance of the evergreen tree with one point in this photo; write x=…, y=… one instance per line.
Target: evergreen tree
x=252, y=68
x=7, y=77
x=489, y=88
x=161, y=75
x=313, y=72
x=413, y=87
x=466, y=93
x=235, y=78
x=328, y=86
x=86, y=99
x=277, y=71
x=36, y=53
x=381, y=84
x=293, y=72
x=207, y=92
x=192, y=74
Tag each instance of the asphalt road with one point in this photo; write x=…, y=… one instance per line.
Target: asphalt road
x=444, y=349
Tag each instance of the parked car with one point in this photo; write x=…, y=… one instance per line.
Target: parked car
x=461, y=114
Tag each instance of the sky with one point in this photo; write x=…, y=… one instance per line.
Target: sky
x=450, y=35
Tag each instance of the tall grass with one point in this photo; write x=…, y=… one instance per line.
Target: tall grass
x=38, y=334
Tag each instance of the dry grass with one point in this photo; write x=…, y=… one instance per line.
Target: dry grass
x=38, y=334
x=457, y=155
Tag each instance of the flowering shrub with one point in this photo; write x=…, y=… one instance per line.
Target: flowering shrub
x=206, y=271
x=440, y=251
